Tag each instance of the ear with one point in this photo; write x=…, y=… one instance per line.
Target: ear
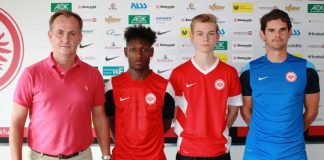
x=49, y=35
x=152, y=52
x=125, y=52
x=262, y=36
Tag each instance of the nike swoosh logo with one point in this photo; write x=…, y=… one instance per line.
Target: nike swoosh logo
x=160, y=33
x=162, y=71
x=108, y=59
x=123, y=99
x=262, y=78
x=83, y=46
x=189, y=85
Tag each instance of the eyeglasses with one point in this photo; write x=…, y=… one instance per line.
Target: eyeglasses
x=142, y=50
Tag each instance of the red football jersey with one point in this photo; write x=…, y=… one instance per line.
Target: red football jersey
x=202, y=98
x=138, y=117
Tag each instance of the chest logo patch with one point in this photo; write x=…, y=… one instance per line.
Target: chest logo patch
x=150, y=98
x=291, y=76
x=219, y=84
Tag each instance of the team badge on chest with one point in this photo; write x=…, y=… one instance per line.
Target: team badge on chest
x=219, y=84
x=291, y=76
x=150, y=98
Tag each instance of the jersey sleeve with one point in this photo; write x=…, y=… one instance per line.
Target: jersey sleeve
x=235, y=98
x=109, y=104
x=169, y=103
x=312, y=85
x=245, y=81
x=175, y=82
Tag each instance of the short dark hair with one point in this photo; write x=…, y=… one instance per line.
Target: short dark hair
x=66, y=13
x=274, y=15
x=140, y=32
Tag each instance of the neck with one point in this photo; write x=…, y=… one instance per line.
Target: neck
x=66, y=62
x=204, y=61
x=139, y=75
x=277, y=56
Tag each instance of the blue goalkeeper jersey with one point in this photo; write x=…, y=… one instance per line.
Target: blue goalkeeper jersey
x=277, y=90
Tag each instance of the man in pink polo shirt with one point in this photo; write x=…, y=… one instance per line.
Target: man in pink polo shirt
x=60, y=94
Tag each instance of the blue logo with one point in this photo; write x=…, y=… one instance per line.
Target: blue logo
x=221, y=32
x=138, y=6
x=296, y=32
x=112, y=70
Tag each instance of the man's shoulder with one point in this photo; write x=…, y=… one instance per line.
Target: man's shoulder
x=182, y=67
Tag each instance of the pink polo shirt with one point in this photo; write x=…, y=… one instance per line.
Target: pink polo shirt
x=60, y=105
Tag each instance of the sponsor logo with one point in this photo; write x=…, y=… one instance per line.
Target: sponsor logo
x=61, y=6
x=191, y=7
x=87, y=7
x=315, y=8
x=190, y=85
x=163, y=19
x=221, y=56
x=112, y=19
x=315, y=21
x=242, y=45
x=150, y=98
x=291, y=77
x=262, y=78
x=87, y=31
x=112, y=32
x=243, y=20
x=112, y=7
x=88, y=58
x=84, y=46
x=164, y=44
x=291, y=8
x=164, y=59
x=187, y=45
x=109, y=59
x=161, y=33
x=164, y=7
x=294, y=21
x=89, y=19
x=137, y=6
x=186, y=19
x=296, y=32
x=113, y=46
x=219, y=84
x=243, y=33
x=124, y=99
x=242, y=7
x=162, y=71
x=267, y=8
x=215, y=7
x=185, y=32
x=241, y=58
x=221, y=45
x=315, y=56
x=316, y=33
x=316, y=46
x=138, y=19
x=11, y=49
x=112, y=70
x=298, y=55
x=295, y=45
x=221, y=32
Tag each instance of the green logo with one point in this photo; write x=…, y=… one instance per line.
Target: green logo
x=138, y=19
x=315, y=8
x=221, y=45
x=112, y=70
x=61, y=6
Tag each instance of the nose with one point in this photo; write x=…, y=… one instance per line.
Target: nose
x=205, y=37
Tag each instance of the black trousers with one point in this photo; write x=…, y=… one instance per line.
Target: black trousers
x=226, y=156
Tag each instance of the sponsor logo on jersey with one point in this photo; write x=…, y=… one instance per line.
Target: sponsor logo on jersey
x=188, y=85
x=219, y=84
x=291, y=76
x=150, y=98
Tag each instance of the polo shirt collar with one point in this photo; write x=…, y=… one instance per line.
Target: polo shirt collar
x=51, y=62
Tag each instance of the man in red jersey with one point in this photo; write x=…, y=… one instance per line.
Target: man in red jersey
x=139, y=102
x=61, y=94
x=208, y=94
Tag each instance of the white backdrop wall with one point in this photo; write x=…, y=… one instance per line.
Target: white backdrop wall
x=106, y=20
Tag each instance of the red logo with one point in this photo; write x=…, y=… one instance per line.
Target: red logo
x=291, y=77
x=219, y=84
x=150, y=98
x=11, y=49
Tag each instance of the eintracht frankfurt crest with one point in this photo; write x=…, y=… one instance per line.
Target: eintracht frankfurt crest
x=11, y=49
x=150, y=98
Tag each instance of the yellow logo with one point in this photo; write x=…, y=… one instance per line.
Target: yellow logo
x=298, y=55
x=185, y=32
x=221, y=56
x=242, y=7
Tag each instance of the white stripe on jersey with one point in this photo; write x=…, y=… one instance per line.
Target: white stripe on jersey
x=235, y=100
